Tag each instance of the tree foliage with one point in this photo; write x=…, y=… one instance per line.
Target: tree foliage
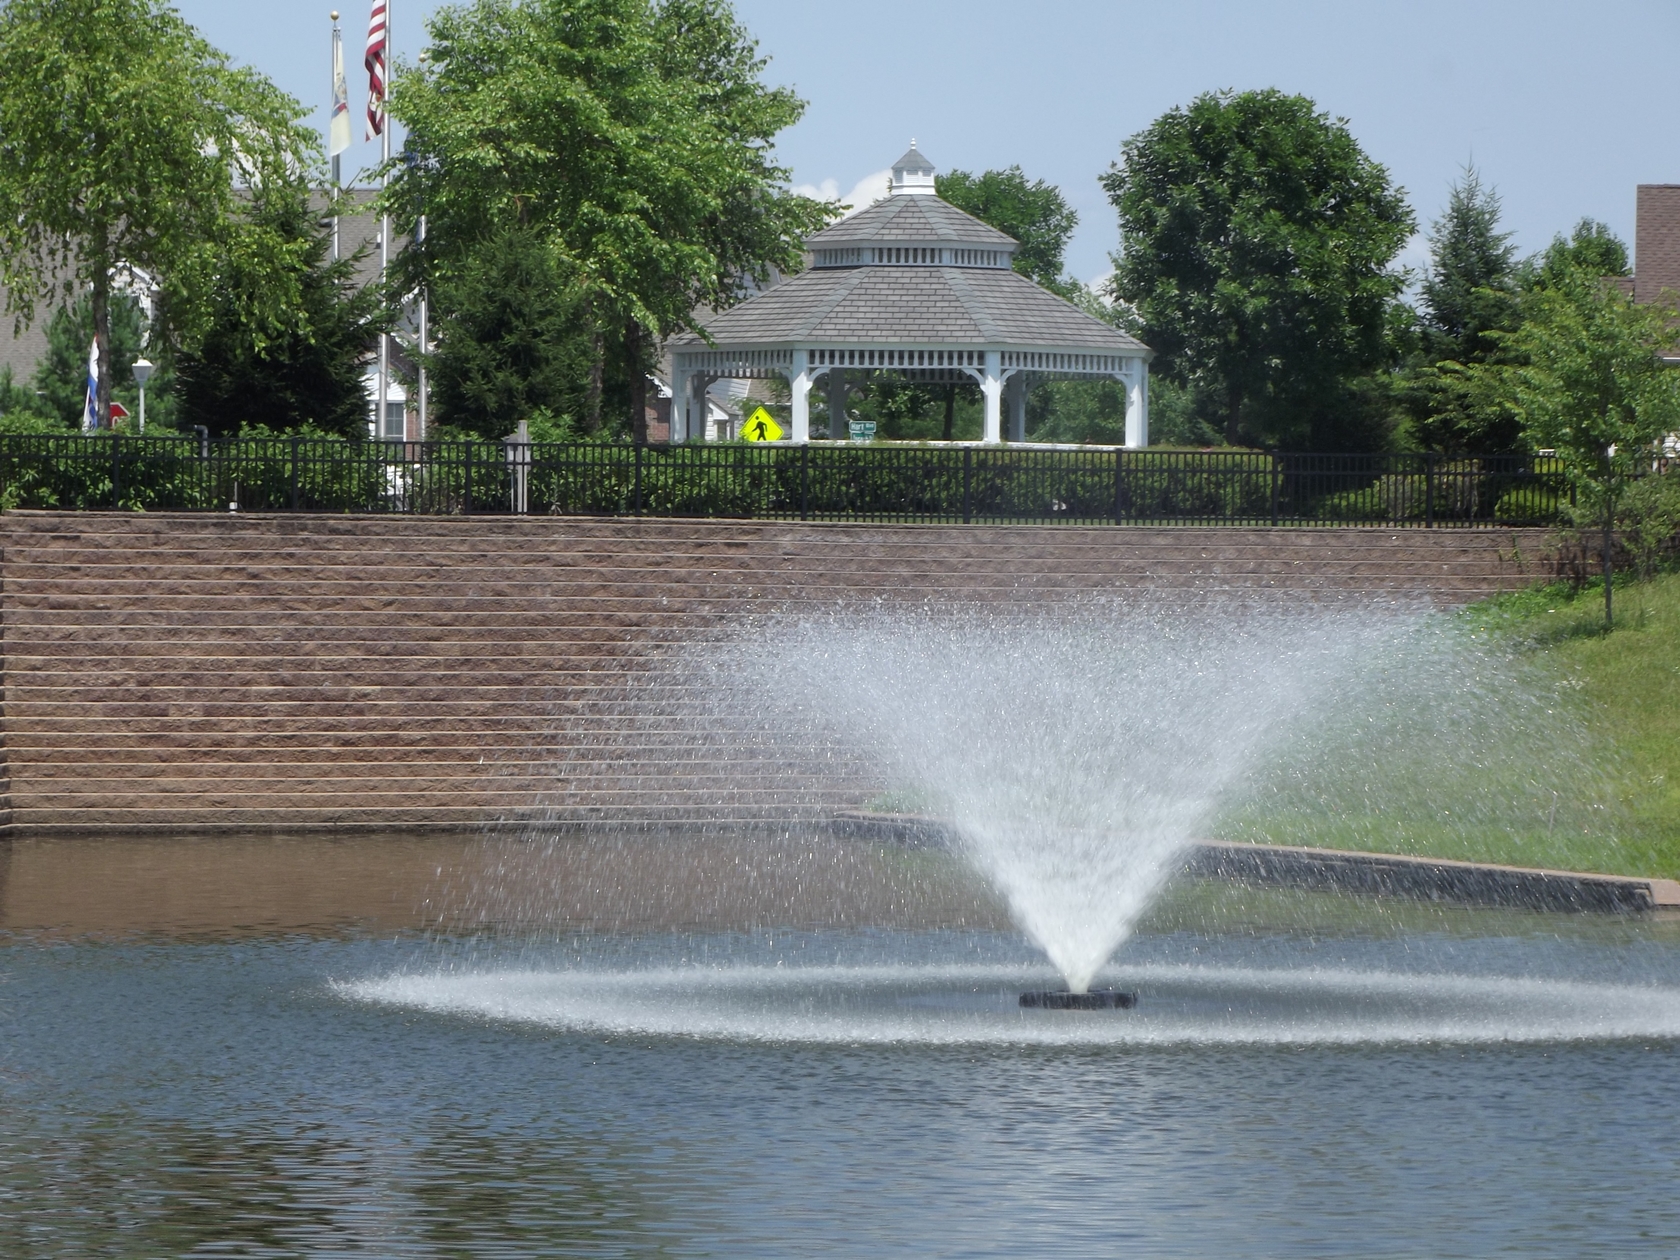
x=1034, y=212
x=1590, y=249
x=1257, y=243
x=60, y=380
x=241, y=371
x=122, y=137
x=1470, y=295
x=633, y=137
x=1469, y=286
x=1586, y=380
x=514, y=344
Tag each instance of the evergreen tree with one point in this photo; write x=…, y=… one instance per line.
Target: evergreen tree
x=1468, y=288
x=284, y=341
x=1470, y=297
x=513, y=343
x=60, y=380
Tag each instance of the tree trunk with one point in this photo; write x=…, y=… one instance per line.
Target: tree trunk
x=597, y=371
x=101, y=303
x=950, y=413
x=1233, y=418
x=1609, y=517
x=638, y=381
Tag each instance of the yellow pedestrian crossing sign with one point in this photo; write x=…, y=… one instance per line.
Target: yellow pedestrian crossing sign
x=761, y=426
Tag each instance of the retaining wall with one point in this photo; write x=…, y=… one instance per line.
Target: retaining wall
x=177, y=672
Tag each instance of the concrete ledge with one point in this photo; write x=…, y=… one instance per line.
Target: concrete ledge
x=1374, y=874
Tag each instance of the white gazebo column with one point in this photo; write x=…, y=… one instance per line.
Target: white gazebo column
x=799, y=380
x=991, y=388
x=1016, y=390
x=837, y=404
x=1137, y=404
x=680, y=384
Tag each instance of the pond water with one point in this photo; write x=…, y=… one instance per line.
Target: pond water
x=430, y=1047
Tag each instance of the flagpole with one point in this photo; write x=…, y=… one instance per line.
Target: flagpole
x=385, y=220
x=337, y=159
x=424, y=332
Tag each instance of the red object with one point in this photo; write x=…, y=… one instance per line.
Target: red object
x=375, y=63
x=118, y=411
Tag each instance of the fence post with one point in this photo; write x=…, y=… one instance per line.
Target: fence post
x=1119, y=484
x=1273, y=459
x=1429, y=490
x=639, y=446
x=116, y=471
x=804, y=480
x=466, y=498
x=295, y=440
x=968, y=485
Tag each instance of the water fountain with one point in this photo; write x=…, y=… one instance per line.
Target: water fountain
x=1075, y=754
x=1068, y=758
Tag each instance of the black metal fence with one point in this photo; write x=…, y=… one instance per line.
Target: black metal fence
x=763, y=481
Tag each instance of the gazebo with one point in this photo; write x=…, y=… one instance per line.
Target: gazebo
x=915, y=286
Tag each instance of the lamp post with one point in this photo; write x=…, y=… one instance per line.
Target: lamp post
x=142, y=374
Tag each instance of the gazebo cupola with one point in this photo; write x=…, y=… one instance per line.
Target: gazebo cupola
x=914, y=286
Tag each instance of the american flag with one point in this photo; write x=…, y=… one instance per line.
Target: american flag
x=375, y=61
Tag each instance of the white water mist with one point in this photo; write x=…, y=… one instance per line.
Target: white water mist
x=1076, y=753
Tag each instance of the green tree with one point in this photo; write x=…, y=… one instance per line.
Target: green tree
x=1469, y=296
x=21, y=410
x=122, y=137
x=60, y=380
x=1592, y=248
x=1034, y=212
x=242, y=371
x=1586, y=380
x=1257, y=243
x=513, y=343
x=633, y=136
x=1468, y=288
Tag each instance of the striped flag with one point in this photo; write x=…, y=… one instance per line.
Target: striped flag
x=338, y=131
x=375, y=61
x=90, y=408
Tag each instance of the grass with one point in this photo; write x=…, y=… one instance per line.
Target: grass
x=1585, y=775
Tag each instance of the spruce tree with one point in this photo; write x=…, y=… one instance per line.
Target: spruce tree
x=1469, y=298
x=286, y=333
x=1468, y=289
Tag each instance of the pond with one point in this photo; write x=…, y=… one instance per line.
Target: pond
x=740, y=1046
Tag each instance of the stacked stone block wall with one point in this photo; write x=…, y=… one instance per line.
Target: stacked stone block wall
x=170, y=673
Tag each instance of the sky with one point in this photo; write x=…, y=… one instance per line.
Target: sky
x=1564, y=108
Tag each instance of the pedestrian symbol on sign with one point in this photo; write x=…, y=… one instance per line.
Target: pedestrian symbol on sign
x=761, y=426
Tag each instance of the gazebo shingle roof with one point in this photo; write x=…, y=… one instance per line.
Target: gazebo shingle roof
x=916, y=305
x=925, y=219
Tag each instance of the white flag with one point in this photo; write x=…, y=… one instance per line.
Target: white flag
x=338, y=130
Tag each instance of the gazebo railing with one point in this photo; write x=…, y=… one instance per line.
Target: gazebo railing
x=819, y=482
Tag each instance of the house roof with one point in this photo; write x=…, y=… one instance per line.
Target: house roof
x=921, y=219
x=918, y=305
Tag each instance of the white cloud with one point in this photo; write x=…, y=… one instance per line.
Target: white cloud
x=828, y=190
x=865, y=193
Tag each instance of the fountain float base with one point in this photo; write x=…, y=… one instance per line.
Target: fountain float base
x=1095, y=1000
